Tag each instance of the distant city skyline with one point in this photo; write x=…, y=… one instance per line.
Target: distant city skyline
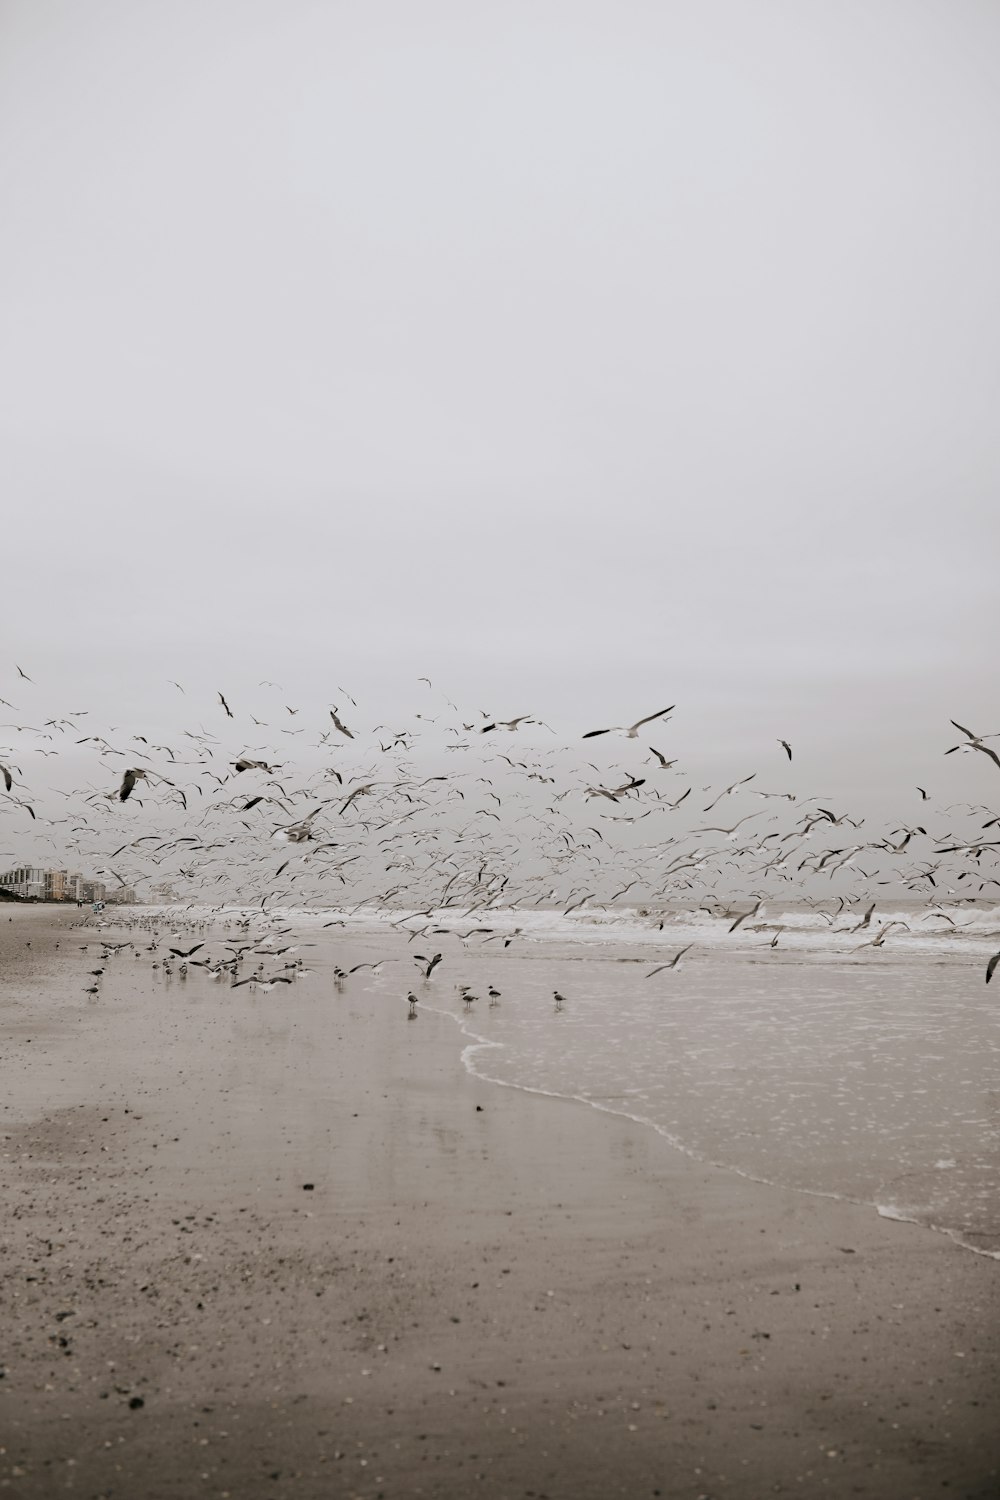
x=34, y=883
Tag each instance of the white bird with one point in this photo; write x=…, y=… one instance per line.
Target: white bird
x=974, y=742
x=630, y=731
x=673, y=964
x=337, y=724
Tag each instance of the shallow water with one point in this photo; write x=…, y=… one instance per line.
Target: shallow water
x=871, y=1074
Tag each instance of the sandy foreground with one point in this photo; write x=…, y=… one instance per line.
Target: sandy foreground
x=483, y=1292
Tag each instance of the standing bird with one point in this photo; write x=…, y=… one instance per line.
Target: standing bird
x=630, y=731
x=559, y=999
x=411, y=1000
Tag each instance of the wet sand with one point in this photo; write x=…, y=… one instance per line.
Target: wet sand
x=483, y=1292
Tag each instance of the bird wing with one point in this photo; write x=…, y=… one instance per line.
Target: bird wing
x=991, y=753
x=593, y=733
x=991, y=966
x=650, y=717
x=962, y=728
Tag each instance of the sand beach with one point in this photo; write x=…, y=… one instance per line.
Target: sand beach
x=256, y=1247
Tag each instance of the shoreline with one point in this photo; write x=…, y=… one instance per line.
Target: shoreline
x=482, y=1043
x=556, y=1299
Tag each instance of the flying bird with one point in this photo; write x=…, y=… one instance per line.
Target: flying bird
x=729, y=790
x=631, y=731
x=338, y=725
x=225, y=706
x=128, y=782
x=673, y=964
x=510, y=724
x=664, y=763
x=746, y=916
x=974, y=742
x=431, y=963
x=359, y=791
x=786, y=747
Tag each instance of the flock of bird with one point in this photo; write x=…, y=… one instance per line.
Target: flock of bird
x=281, y=806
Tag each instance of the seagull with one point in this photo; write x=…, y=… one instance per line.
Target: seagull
x=729, y=832
x=630, y=731
x=786, y=747
x=991, y=966
x=128, y=782
x=664, y=763
x=975, y=742
x=25, y=676
x=225, y=705
x=359, y=791
x=559, y=999
x=186, y=952
x=865, y=919
x=510, y=724
x=431, y=963
x=673, y=964
x=746, y=915
x=338, y=725
x=729, y=790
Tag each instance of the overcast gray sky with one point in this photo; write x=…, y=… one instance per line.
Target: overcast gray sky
x=585, y=357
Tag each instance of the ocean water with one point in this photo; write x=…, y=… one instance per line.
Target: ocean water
x=870, y=1074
